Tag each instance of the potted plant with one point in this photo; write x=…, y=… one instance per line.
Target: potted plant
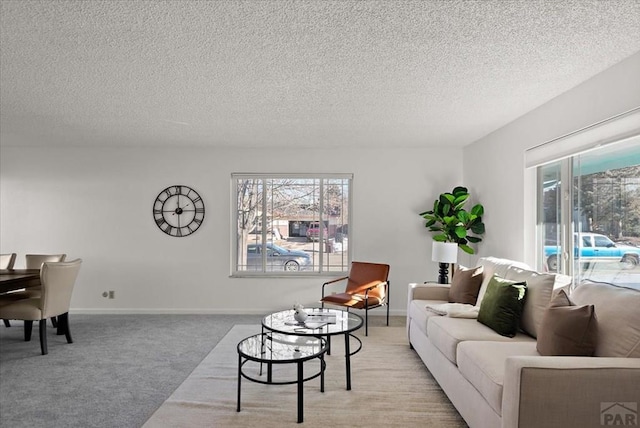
x=452, y=223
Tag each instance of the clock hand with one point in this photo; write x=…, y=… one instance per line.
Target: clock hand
x=178, y=210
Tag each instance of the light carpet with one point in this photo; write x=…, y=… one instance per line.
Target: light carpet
x=391, y=387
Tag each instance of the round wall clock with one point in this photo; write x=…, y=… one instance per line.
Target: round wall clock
x=178, y=210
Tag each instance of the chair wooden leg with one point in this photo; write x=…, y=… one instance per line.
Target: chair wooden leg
x=7, y=323
x=59, y=326
x=42, y=324
x=28, y=326
x=64, y=321
x=54, y=322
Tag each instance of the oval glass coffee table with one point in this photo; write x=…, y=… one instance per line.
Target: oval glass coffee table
x=320, y=322
x=277, y=349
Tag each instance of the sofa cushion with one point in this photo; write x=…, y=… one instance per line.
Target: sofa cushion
x=495, y=266
x=567, y=330
x=445, y=333
x=618, y=317
x=465, y=285
x=502, y=305
x=539, y=290
x=419, y=313
x=483, y=363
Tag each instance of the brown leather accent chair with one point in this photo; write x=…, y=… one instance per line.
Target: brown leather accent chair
x=367, y=288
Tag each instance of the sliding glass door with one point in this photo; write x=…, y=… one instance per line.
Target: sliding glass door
x=589, y=214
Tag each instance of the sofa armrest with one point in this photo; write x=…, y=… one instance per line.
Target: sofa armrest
x=425, y=291
x=567, y=391
x=428, y=291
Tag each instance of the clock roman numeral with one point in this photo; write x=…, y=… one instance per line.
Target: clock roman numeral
x=160, y=221
x=178, y=190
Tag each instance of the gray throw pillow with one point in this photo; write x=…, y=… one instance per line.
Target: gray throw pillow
x=567, y=330
x=465, y=285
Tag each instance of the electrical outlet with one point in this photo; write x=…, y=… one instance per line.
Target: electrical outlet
x=112, y=294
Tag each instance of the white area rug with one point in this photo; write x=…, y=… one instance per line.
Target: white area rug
x=390, y=388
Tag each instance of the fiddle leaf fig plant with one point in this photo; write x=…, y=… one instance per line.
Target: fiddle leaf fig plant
x=452, y=223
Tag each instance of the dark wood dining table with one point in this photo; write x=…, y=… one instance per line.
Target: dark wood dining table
x=17, y=279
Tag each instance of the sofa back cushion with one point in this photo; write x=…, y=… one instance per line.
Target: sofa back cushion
x=465, y=285
x=539, y=290
x=494, y=266
x=618, y=312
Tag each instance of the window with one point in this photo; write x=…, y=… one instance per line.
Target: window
x=588, y=215
x=287, y=225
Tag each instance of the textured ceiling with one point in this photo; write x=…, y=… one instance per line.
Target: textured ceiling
x=294, y=73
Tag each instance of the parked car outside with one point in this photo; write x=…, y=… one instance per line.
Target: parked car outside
x=278, y=258
x=313, y=232
x=594, y=247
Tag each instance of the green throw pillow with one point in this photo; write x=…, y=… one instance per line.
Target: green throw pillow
x=502, y=305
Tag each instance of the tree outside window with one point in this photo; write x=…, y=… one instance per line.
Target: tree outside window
x=291, y=225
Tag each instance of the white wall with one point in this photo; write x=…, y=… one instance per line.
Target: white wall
x=495, y=164
x=96, y=203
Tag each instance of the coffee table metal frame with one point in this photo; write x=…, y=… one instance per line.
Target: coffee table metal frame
x=275, y=348
x=346, y=323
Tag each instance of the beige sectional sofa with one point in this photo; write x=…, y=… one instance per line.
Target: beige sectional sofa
x=498, y=381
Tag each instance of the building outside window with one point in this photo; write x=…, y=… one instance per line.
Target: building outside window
x=289, y=225
x=588, y=215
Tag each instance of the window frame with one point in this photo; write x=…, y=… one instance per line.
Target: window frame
x=264, y=219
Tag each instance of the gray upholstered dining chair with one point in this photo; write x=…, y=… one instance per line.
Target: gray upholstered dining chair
x=7, y=260
x=35, y=261
x=58, y=280
x=32, y=261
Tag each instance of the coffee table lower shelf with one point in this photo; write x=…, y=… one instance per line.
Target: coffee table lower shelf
x=276, y=349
